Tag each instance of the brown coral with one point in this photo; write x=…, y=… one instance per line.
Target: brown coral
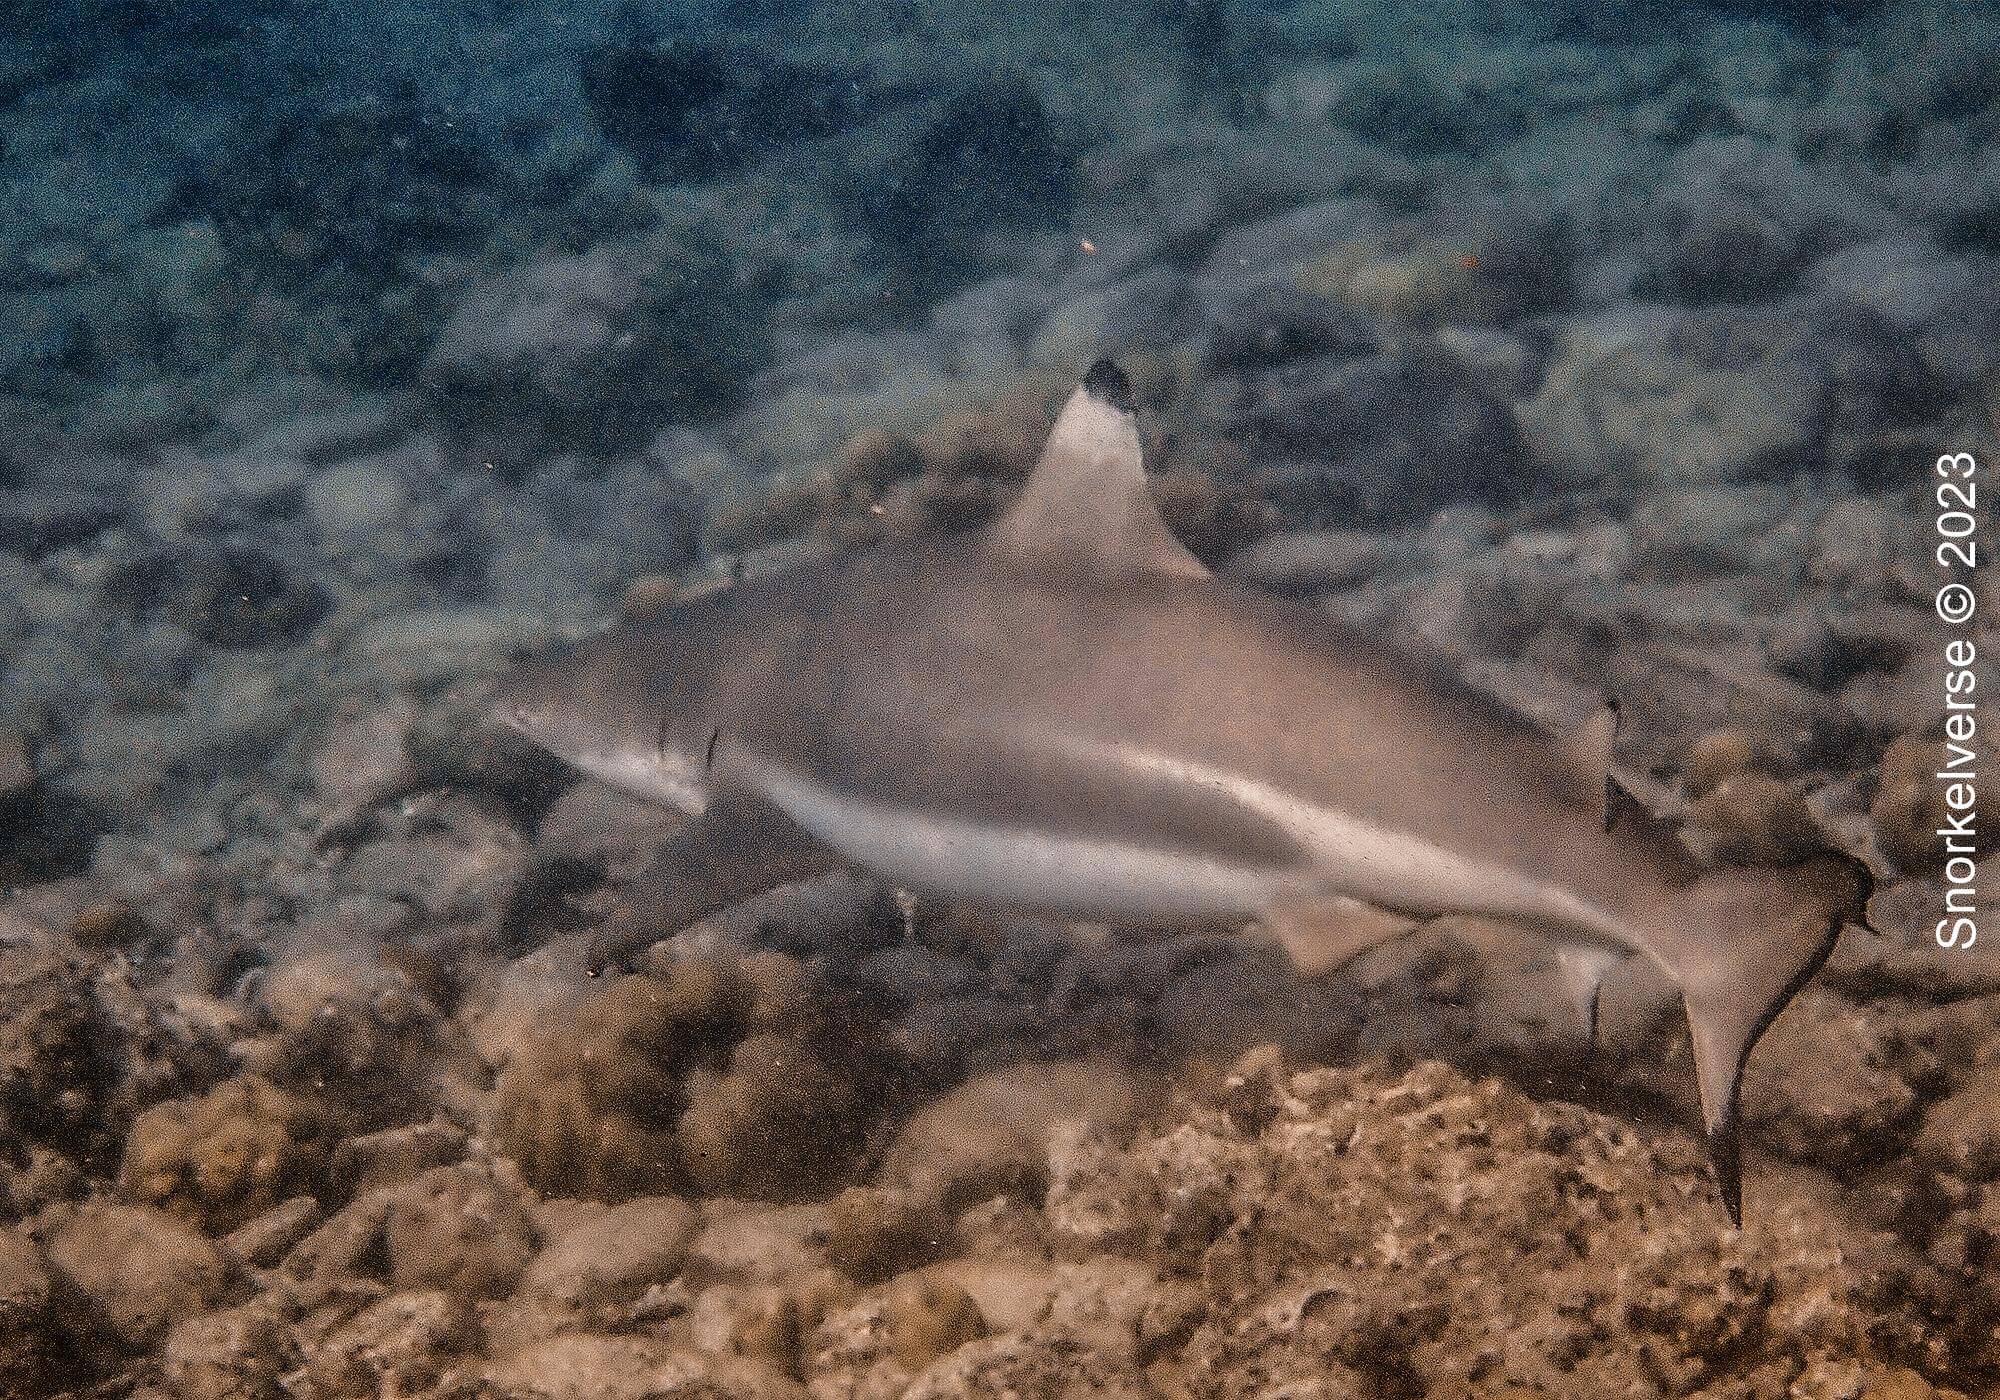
x=584, y=1112
x=222, y=1157
x=718, y=1073
x=753, y=1128
x=1752, y=819
x=929, y=1318
x=888, y=483
x=1909, y=807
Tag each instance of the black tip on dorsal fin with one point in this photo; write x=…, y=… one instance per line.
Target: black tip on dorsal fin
x=1107, y=383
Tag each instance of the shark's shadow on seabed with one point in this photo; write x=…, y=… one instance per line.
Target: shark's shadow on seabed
x=1067, y=713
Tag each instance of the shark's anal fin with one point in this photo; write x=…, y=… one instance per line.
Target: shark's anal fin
x=1323, y=934
x=1087, y=501
x=737, y=847
x=1584, y=966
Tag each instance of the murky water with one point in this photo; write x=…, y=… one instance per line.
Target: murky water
x=876, y=970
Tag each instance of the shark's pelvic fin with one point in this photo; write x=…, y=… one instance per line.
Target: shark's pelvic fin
x=1087, y=501
x=1326, y=932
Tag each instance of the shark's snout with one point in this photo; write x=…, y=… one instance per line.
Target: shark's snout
x=511, y=714
x=599, y=716
x=521, y=697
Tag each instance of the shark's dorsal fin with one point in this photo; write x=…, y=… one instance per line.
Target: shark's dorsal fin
x=1087, y=501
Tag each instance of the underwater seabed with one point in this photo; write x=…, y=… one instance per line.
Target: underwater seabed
x=346, y=356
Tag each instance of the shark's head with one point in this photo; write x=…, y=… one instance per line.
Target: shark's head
x=611, y=711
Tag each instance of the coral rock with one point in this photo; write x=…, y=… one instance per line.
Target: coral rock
x=348, y=1020
x=586, y=1366
x=755, y=1129
x=267, y=1238
x=929, y=1318
x=615, y=1254
x=1826, y=1086
x=394, y=1155
x=759, y=1321
x=1714, y=759
x=457, y=1229
x=1752, y=819
x=1961, y=1134
x=53, y=1056
x=142, y=1268
x=595, y=350
x=992, y=1133
x=873, y=1234
x=28, y=1347
x=397, y=1346
x=366, y=757
x=235, y=1354
x=1909, y=807
x=227, y=1155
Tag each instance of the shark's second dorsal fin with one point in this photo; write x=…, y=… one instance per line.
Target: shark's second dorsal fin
x=1087, y=500
x=1585, y=755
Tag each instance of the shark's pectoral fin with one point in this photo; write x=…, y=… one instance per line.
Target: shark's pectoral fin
x=1087, y=500
x=1325, y=933
x=739, y=845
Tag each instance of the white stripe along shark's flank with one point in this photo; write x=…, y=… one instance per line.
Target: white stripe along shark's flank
x=1367, y=860
x=1089, y=876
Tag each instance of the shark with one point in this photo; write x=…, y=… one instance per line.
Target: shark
x=1067, y=713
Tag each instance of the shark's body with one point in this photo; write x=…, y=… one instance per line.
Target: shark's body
x=1066, y=713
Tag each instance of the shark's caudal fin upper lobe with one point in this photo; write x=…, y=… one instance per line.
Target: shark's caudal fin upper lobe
x=1741, y=943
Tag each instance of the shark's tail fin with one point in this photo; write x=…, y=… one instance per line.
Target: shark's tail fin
x=1741, y=943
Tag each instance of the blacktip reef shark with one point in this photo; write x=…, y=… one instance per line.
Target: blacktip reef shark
x=1066, y=713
